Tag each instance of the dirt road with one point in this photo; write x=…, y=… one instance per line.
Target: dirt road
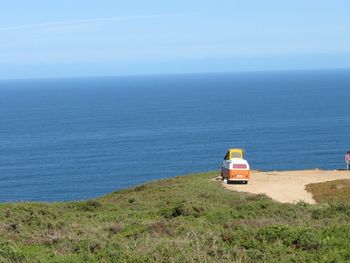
x=287, y=186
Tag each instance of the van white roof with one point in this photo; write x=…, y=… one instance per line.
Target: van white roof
x=238, y=161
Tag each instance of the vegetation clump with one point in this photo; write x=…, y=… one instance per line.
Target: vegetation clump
x=326, y=192
x=183, y=219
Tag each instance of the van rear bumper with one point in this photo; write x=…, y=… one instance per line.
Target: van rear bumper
x=235, y=175
x=238, y=179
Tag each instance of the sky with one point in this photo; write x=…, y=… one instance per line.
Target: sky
x=44, y=39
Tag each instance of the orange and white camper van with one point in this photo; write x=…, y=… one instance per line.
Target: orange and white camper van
x=234, y=167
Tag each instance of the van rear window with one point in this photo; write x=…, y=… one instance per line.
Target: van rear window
x=236, y=155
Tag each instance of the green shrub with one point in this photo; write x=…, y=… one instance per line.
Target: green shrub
x=10, y=252
x=183, y=219
x=307, y=239
x=89, y=205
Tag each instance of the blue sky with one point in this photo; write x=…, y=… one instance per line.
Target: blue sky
x=41, y=38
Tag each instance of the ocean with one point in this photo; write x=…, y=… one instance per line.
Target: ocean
x=79, y=138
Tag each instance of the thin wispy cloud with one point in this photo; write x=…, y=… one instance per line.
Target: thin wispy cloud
x=75, y=22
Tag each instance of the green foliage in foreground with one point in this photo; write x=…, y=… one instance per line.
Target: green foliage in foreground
x=184, y=219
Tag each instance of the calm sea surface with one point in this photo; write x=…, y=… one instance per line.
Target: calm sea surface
x=74, y=139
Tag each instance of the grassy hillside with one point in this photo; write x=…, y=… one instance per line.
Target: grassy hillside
x=333, y=191
x=184, y=219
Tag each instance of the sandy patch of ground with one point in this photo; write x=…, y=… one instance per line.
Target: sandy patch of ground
x=287, y=186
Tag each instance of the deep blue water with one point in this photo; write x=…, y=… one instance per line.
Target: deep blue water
x=74, y=139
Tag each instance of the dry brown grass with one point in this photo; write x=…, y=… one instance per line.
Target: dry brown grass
x=332, y=191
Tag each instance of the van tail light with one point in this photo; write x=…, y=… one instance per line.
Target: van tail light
x=239, y=166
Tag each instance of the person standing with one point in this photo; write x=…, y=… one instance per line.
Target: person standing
x=347, y=160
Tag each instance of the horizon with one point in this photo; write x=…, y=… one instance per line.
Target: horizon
x=63, y=40
x=181, y=74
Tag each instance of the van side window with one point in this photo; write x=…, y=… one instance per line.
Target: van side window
x=227, y=157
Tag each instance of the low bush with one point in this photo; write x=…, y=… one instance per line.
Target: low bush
x=183, y=219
